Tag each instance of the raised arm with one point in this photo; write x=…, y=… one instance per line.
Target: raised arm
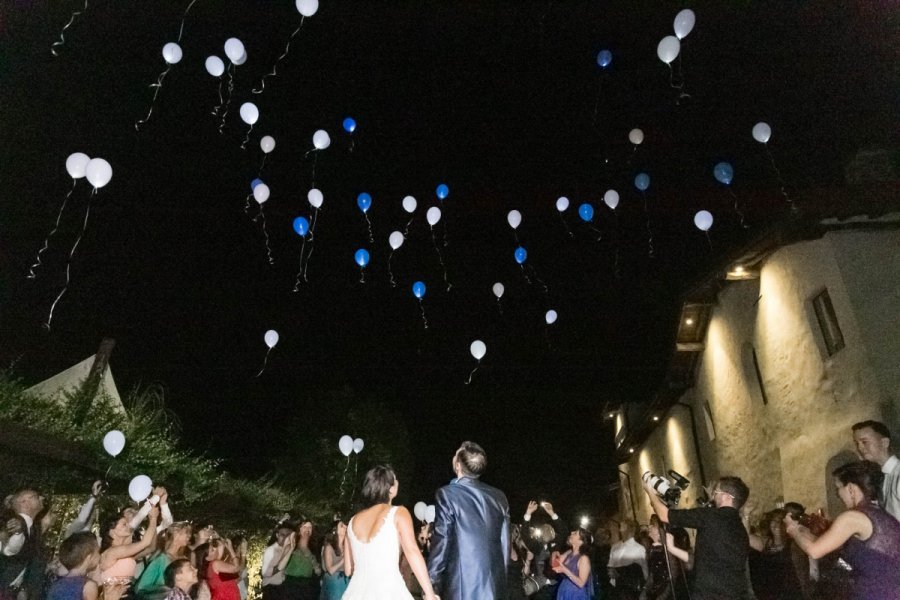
x=411, y=551
x=847, y=524
x=114, y=553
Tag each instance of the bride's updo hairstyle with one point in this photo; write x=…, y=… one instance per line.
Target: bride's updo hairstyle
x=376, y=488
x=472, y=459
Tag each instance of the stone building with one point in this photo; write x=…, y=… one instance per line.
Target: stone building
x=777, y=355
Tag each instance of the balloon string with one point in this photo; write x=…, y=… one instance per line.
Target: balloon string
x=352, y=144
x=300, y=272
x=247, y=139
x=362, y=274
x=262, y=213
x=391, y=273
x=230, y=72
x=355, y=477
x=343, y=479
x=262, y=164
x=312, y=240
x=265, y=363
x=440, y=259
x=183, y=18
x=538, y=279
x=422, y=308
x=444, y=233
x=158, y=86
x=408, y=223
x=37, y=263
x=247, y=205
x=516, y=236
x=369, y=224
x=597, y=231
x=709, y=239
x=218, y=107
x=287, y=48
x=525, y=274
x=737, y=208
x=778, y=175
x=62, y=37
x=650, y=251
x=499, y=306
x=469, y=380
x=87, y=214
x=566, y=225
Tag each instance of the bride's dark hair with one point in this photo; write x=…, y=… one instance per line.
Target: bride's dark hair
x=376, y=488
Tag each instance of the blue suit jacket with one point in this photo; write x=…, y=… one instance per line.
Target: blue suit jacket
x=470, y=542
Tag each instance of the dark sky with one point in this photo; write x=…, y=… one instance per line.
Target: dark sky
x=502, y=101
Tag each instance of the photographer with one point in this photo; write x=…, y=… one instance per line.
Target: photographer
x=543, y=543
x=722, y=545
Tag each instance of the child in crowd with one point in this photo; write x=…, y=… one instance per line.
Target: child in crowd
x=80, y=554
x=180, y=576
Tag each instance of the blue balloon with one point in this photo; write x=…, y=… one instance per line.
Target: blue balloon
x=724, y=173
x=521, y=255
x=362, y=257
x=301, y=226
x=586, y=212
x=642, y=181
x=349, y=125
x=604, y=58
x=255, y=183
x=364, y=202
x=419, y=289
x=442, y=191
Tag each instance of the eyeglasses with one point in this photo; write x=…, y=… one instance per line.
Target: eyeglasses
x=715, y=492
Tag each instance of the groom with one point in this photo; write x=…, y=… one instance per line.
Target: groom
x=470, y=541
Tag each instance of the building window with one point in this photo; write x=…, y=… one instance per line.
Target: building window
x=828, y=323
x=753, y=374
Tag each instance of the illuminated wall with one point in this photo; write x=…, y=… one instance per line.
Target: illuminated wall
x=786, y=446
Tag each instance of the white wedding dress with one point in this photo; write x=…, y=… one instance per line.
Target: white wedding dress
x=376, y=565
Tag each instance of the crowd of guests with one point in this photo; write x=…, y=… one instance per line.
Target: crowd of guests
x=141, y=553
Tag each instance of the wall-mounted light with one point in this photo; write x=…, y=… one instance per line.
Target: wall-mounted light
x=689, y=321
x=740, y=273
x=655, y=418
x=631, y=450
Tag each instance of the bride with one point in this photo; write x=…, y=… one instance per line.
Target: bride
x=374, y=538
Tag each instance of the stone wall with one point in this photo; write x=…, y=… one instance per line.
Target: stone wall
x=785, y=436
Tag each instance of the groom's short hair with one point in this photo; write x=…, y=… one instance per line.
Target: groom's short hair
x=472, y=459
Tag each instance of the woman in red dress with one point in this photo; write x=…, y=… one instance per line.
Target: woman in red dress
x=223, y=569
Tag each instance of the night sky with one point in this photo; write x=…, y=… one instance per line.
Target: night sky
x=502, y=101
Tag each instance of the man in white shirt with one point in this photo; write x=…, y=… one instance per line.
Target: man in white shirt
x=625, y=557
x=873, y=442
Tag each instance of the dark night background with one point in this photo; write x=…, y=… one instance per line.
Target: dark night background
x=496, y=99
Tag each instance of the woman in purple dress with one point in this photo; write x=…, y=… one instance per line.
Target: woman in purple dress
x=575, y=566
x=870, y=536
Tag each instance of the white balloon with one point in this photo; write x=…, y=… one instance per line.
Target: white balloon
x=762, y=132
x=271, y=338
x=234, y=49
x=315, y=198
x=140, y=487
x=433, y=215
x=395, y=240
x=215, y=66
x=419, y=510
x=668, y=49
x=261, y=193
x=409, y=204
x=172, y=53
x=345, y=444
x=611, y=198
x=98, y=172
x=478, y=349
x=249, y=113
x=307, y=8
x=550, y=317
x=241, y=59
x=703, y=220
x=684, y=23
x=321, y=139
x=562, y=203
x=267, y=143
x=514, y=218
x=430, y=513
x=77, y=164
x=358, y=445
x=114, y=442
x=498, y=290
x=636, y=136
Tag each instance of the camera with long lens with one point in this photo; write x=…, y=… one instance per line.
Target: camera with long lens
x=667, y=488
